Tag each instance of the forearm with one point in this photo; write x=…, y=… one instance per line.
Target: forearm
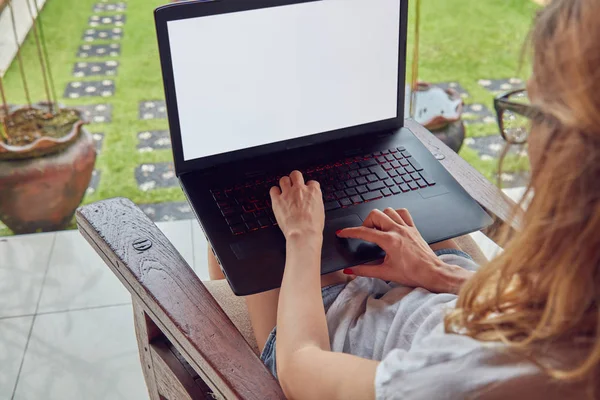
x=300, y=315
x=301, y=322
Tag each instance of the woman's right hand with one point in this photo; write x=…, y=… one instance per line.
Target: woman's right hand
x=409, y=260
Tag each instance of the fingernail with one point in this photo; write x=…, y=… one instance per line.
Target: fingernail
x=348, y=271
x=338, y=231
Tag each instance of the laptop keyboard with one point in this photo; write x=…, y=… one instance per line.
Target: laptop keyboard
x=247, y=207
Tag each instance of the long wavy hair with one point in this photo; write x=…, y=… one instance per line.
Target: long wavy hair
x=544, y=288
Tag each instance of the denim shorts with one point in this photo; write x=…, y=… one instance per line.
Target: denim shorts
x=329, y=293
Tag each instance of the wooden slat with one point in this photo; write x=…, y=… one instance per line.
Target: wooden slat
x=144, y=332
x=483, y=191
x=177, y=302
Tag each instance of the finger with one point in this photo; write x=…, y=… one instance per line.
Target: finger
x=394, y=216
x=297, y=178
x=314, y=184
x=285, y=183
x=405, y=215
x=378, y=271
x=377, y=219
x=369, y=234
x=274, y=192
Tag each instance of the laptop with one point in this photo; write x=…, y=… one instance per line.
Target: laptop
x=257, y=88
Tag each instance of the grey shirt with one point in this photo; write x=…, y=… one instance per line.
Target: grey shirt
x=403, y=328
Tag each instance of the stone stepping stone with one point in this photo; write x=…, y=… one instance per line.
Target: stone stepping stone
x=94, y=182
x=97, y=113
x=167, y=211
x=455, y=86
x=477, y=114
x=502, y=85
x=109, y=7
x=101, y=68
x=99, y=50
x=152, y=109
x=490, y=147
x=153, y=140
x=77, y=89
x=98, y=140
x=100, y=20
x=91, y=35
x=152, y=176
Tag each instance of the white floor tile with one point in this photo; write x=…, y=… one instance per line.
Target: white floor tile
x=23, y=263
x=86, y=354
x=13, y=338
x=200, y=251
x=179, y=234
x=78, y=278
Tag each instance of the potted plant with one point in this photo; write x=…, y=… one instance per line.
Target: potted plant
x=46, y=157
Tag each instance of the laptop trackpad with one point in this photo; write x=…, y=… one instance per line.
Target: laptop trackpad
x=336, y=250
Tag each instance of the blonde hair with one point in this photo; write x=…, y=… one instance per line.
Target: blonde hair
x=545, y=287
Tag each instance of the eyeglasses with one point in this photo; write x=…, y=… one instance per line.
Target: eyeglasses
x=515, y=113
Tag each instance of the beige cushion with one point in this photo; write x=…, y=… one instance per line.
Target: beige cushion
x=235, y=307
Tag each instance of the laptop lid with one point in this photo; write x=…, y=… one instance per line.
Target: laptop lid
x=244, y=78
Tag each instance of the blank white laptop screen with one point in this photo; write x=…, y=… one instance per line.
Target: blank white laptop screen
x=255, y=77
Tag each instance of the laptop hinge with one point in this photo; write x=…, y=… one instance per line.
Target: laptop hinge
x=254, y=174
x=353, y=152
x=386, y=133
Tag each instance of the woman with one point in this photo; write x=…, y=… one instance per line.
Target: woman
x=524, y=326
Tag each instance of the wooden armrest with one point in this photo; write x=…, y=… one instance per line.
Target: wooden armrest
x=171, y=294
x=492, y=199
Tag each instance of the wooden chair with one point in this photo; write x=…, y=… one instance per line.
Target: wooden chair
x=190, y=348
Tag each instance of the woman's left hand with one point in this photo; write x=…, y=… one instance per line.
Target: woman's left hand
x=298, y=207
x=409, y=260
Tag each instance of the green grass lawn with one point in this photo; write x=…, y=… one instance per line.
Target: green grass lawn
x=461, y=40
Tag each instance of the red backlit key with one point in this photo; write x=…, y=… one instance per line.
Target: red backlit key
x=372, y=196
x=357, y=199
x=238, y=229
x=332, y=205
x=346, y=202
x=252, y=226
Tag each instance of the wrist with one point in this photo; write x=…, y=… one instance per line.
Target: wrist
x=307, y=242
x=448, y=278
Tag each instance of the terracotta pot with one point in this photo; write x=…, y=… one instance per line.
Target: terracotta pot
x=41, y=194
x=44, y=144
